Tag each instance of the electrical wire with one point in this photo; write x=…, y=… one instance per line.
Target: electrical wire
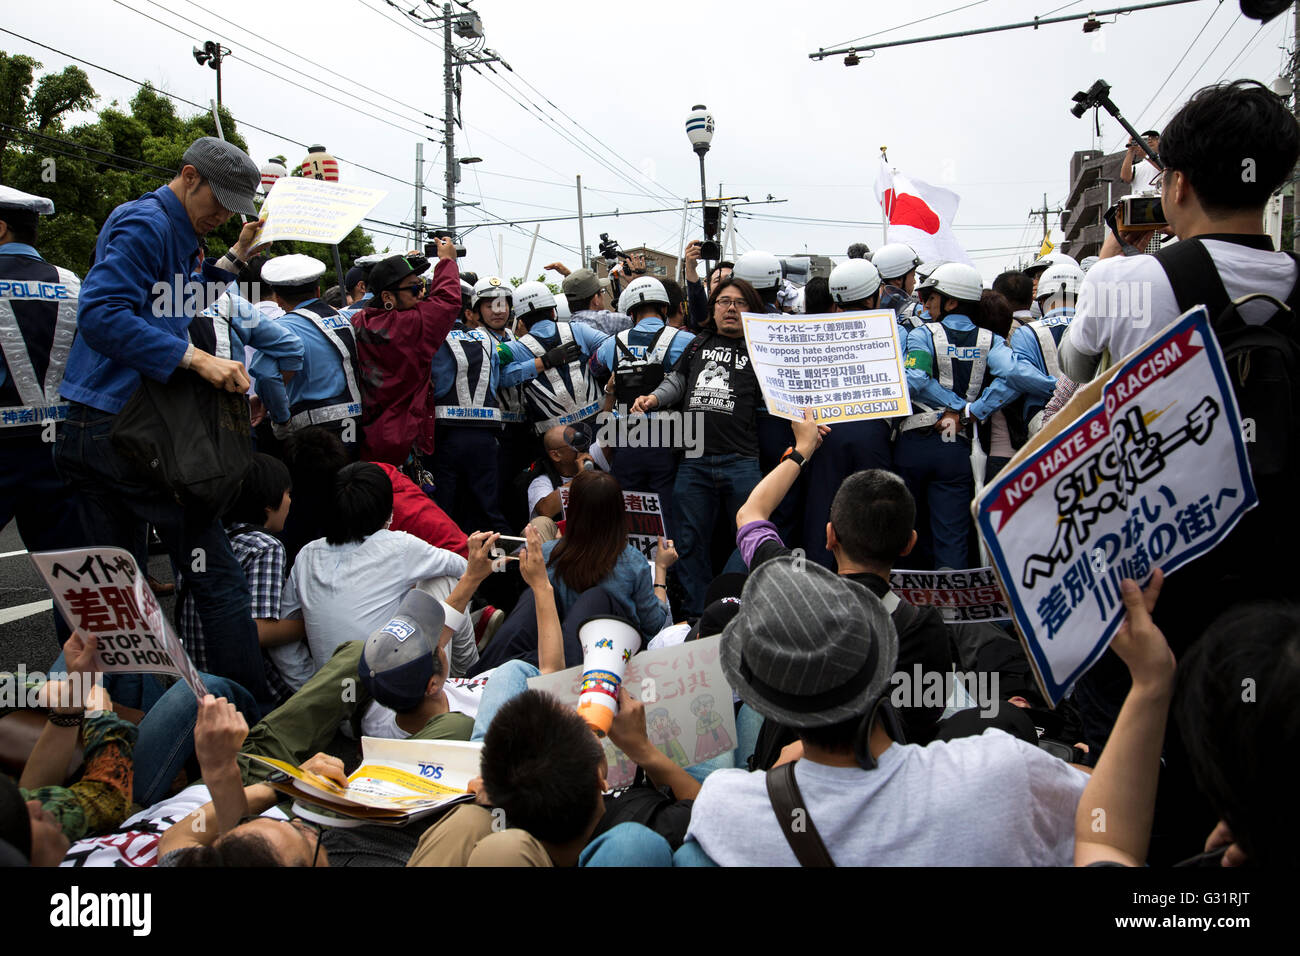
x=902, y=26
x=67, y=142
x=1178, y=96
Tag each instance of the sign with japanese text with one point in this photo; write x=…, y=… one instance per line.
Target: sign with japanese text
x=846, y=367
x=1144, y=468
x=313, y=210
x=101, y=592
x=688, y=710
x=645, y=520
x=961, y=596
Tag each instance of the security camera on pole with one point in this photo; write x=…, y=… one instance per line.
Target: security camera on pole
x=699, y=130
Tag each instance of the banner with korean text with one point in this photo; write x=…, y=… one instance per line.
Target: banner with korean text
x=846, y=367
x=1144, y=468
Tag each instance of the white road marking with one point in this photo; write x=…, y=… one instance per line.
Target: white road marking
x=12, y=554
x=20, y=611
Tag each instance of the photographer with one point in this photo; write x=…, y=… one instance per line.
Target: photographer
x=1135, y=155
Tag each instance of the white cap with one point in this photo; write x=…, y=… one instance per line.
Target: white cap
x=293, y=270
x=11, y=198
x=853, y=281
x=371, y=259
x=762, y=270
x=530, y=296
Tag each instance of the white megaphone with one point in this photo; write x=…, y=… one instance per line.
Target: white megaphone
x=608, y=643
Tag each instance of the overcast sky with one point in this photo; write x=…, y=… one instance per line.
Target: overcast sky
x=987, y=116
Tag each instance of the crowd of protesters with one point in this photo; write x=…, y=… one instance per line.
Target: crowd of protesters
x=455, y=449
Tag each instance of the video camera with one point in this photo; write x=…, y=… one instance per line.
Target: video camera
x=610, y=251
x=1097, y=96
x=431, y=248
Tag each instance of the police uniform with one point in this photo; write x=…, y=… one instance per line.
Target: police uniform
x=469, y=423
x=38, y=320
x=325, y=392
x=1034, y=346
x=950, y=365
x=239, y=326
x=559, y=396
x=908, y=312
x=639, y=359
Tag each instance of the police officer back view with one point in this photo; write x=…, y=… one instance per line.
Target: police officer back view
x=38, y=319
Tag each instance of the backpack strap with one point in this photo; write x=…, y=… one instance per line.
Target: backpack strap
x=805, y=841
x=1193, y=276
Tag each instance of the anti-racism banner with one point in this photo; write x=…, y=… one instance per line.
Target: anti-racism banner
x=846, y=367
x=645, y=520
x=313, y=210
x=962, y=597
x=1145, y=468
x=101, y=592
x=688, y=711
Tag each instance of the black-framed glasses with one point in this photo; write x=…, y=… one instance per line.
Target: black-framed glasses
x=415, y=289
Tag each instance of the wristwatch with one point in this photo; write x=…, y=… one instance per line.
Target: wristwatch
x=792, y=455
x=66, y=720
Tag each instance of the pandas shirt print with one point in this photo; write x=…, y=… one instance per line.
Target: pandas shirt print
x=721, y=387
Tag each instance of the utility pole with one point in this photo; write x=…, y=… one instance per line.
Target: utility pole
x=419, y=196
x=582, y=236
x=1045, y=212
x=1295, y=109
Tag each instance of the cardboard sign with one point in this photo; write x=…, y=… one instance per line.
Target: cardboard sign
x=645, y=520
x=846, y=367
x=961, y=596
x=313, y=210
x=101, y=592
x=1144, y=468
x=688, y=710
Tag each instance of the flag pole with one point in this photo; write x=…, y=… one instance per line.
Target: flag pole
x=884, y=225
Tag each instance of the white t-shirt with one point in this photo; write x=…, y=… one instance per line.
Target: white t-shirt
x=346, y=591
x=463, y=696
x=542, y=485
x=990, y=800
x=1125, y=300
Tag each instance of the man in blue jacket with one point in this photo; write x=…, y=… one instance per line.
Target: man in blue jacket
x=147, y=284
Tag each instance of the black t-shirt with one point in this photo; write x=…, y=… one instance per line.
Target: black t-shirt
x=722, y=386
x=922, y=639
x=649, y=806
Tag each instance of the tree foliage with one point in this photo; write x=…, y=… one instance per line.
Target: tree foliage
x=91, y=168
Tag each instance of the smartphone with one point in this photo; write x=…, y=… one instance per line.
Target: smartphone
x=516, y=542
x=1140, y=213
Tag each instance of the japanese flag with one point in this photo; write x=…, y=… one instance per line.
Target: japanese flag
x=920, y=215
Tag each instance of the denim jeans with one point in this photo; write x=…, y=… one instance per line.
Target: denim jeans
x=705, y=485
x=690, y=854
x=628, y=844
x=508, y=681
x=166, y=741
x=117, y=504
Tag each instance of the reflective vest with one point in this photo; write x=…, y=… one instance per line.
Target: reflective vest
x=1048, y=335
x=347, y=403
x=960, y=361
x=38, y=321
x=639, y=362
x=559, y=396
x=514, y=410
x=470, y=399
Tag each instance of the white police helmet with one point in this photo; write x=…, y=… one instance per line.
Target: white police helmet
x=530, y=296
x=762, y=270
x=853, y=281
x=490, y=287
x=644, y=289
x=1059, y=277
x=895, y=260
x=956, y=280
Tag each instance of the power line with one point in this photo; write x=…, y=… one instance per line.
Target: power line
x=903, y=26
x=1213, y=14
x=67, y=142
x=1213, y=50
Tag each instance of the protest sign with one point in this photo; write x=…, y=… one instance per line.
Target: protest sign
x=645, y=520
x=961, y=596
x=1144, y=468
x=398, y=780
x=846, y=367
x=685, y=696
x=313, y=210
x=101, y=592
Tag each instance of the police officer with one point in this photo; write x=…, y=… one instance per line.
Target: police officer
x=1034, y=345
x=849, y=446
x=38, y=319
x=559, y=388
x=953, y=372
x=325, y=392
x=897, y=263
x=1036, y=269
x=639, y=359
x=237, y=326
x=466, y=379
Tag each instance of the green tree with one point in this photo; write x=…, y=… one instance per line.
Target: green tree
x=23, y=109
x=517, y=281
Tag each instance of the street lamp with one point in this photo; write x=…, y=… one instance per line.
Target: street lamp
x=212, y=53
x=699, y=130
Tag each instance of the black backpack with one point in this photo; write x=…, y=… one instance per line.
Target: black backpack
x=1263, y=360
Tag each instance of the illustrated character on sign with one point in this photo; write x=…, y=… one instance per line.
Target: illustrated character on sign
x=664, y=731
x=713, y=737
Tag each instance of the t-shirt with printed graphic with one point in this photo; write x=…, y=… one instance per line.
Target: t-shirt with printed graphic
x=722, y=387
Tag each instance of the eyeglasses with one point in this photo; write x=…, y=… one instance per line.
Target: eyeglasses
x=727, y=303
x=1157, y=178
x=413, y=289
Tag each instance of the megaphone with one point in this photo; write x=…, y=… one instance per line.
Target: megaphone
x=608, y=643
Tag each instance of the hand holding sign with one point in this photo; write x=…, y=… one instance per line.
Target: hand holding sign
x=1139, y=643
